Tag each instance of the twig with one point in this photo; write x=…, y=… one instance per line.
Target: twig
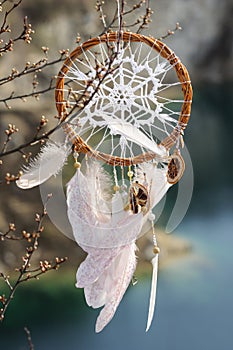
x=110, y=26
x=33, y=68
x=12, y=129
x=31, y=142
x=9, y=235
x=29, y=338
x=37, y=93
x=146, y=19
x=99, y=8
x=120, y=14
x=171, y=32
x=25, y=273
x=5, y=27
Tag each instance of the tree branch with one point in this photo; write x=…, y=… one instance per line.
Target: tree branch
x=25, y=273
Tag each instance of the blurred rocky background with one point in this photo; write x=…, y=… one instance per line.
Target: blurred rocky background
x=204, y=45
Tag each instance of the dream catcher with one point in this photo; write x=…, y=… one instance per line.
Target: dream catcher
x=124, y=101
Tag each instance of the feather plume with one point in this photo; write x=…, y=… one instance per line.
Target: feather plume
x=153, y=292
x=48, y=162
x=93, y=222
x=120, y=276
x=99, y=186
x=97, y=261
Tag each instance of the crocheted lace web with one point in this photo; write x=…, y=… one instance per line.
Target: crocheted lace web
x=139, y=96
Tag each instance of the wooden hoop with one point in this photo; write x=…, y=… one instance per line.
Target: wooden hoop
x=79, y=144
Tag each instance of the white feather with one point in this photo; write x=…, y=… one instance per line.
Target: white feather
x=153, y=292
x=99, y=186
x=132, y=133
x=97, y=261
x=48, y=162
x=98, y=293
x=94, y=225
x=120, y=276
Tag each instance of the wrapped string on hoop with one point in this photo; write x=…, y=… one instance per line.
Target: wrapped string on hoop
x=124, y=101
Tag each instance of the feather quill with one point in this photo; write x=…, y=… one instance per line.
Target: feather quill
x=48, y=162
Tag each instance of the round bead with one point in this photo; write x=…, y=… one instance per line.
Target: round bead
x=156, y=249
x=75, y=155
x=116, y=188
x=151, y=217
x=130, y=174
x=77, y=165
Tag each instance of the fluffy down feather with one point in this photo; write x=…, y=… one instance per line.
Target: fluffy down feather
x=48, y=162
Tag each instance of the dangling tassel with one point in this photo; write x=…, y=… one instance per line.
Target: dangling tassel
x=154, y=263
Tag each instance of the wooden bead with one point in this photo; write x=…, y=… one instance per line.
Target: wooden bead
x=156, y=250
x=77, y=165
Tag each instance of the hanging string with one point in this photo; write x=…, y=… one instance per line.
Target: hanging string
x=119, y=14
x=116, y=187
